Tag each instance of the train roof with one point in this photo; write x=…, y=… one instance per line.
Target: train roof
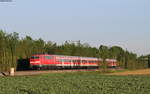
x=82, y=58
x=40, y=54
x=76, y=57
x=65, y=56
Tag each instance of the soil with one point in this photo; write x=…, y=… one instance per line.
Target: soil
x=38, y=72
x=133, y=72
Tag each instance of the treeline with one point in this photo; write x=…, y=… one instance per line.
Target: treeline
x=12, y=48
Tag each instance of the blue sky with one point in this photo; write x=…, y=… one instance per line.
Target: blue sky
x=124, y=23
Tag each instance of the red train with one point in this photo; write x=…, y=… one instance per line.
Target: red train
x=61, y=61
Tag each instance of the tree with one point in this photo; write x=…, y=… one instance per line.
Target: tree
x=49, y=47
x=12, y=41
x=39, y=46
x=2, y=50
x=26, y=47
x=13, y=48
x=104, y=53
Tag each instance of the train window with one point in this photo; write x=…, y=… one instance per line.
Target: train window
x=91, y=61
x=66, y=60
x=84, y=61
x=60, y=60
x=48, y=57
x=76, y=61
x=73, y=61
x=35, y=57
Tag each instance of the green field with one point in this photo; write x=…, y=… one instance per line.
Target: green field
x=75, y=83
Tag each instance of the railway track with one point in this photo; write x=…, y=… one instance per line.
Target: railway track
x=38, y=72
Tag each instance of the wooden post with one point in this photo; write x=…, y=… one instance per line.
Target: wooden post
x=12, y=71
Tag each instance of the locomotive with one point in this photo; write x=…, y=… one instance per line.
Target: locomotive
x=40, y=61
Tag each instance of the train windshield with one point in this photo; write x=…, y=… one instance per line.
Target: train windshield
x=35, y=57
x=48, y=57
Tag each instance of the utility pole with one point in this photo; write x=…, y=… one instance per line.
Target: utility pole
x=126, y=60
x=148, y=61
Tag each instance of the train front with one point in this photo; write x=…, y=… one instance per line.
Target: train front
x=35, y=62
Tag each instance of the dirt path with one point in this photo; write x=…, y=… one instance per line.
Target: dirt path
x=133, y=72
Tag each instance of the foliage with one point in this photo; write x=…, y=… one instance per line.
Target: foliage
x=12, y=49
